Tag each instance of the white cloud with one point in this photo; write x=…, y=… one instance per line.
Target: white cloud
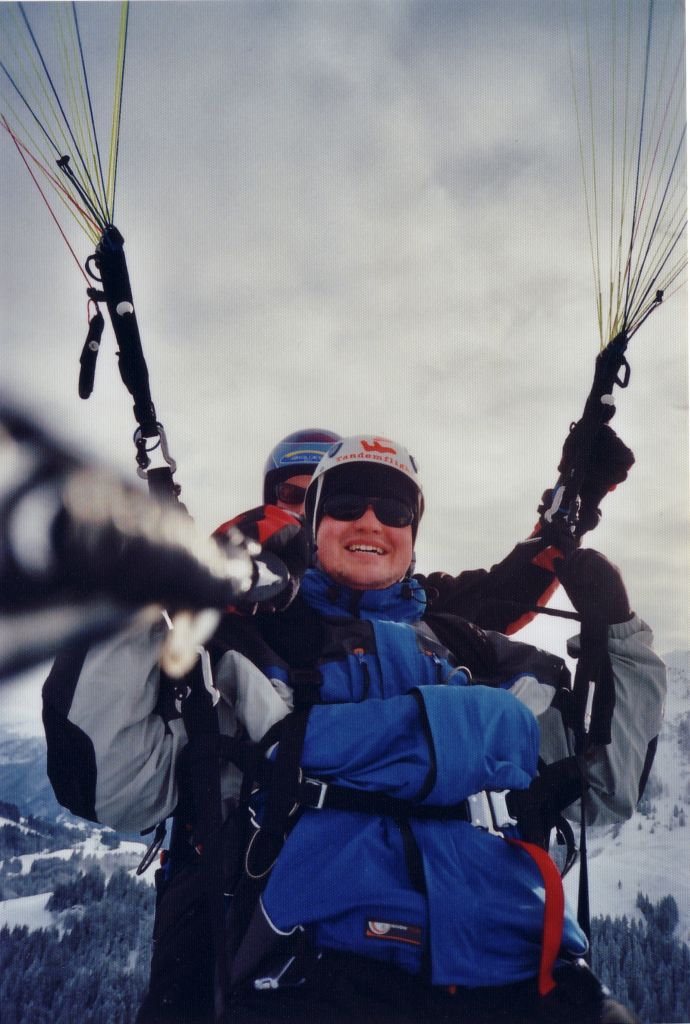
x=361, y=214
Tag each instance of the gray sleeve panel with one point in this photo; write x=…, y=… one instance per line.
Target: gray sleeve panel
x=259, y=702
x=614, y=771
x=113, y=705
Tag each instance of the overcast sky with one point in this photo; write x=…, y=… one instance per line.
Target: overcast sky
x=366, y=216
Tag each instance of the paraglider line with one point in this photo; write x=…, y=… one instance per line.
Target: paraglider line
x=103, y=214
x=656, y=222
x=639, y=154
x=63, y=164
x=67, y=196
x=658, y=273
x=647, y=313
x=43, y=196
x=117, y=119
x=88, y=96
x=29, y=108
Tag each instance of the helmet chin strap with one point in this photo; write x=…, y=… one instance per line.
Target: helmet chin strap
x=317, y=500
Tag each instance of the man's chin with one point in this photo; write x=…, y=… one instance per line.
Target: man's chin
x=361, y=577
x=363, y=582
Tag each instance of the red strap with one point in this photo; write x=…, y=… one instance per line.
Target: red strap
x=554, y=908
x=527, y=617
x=547, y=557
x=261, y=523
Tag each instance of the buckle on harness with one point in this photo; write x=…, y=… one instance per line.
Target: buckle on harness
x=314, y=800
x=489, y=810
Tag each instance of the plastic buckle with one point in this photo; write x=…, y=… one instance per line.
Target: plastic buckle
x=489, y=810
x=320, y=799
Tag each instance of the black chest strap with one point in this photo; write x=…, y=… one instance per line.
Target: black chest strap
x=306, y=686
x=203, y=759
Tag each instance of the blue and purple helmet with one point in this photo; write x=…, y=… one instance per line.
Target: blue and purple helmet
x=296, y=454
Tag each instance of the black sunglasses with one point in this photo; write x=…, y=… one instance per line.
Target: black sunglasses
x=290, y=494
x=389, y=511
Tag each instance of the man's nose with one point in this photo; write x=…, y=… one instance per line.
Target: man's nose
x=369, y=519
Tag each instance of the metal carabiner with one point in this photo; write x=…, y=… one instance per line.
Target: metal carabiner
x=162, y=441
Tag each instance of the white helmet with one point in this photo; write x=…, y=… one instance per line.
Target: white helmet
x=370, y=451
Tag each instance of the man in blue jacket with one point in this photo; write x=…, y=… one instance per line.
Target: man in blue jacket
x=455, y=912
x=385, y=877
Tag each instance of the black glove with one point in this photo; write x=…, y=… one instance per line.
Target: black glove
x=285, y=552
x=538, y=809
x=609, y=463
x=594, y=586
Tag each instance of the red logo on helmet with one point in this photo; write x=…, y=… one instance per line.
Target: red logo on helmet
x=379, y=445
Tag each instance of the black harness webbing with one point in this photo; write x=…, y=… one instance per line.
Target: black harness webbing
x=537, y=810
x=280, y=812
x=594, y=696
x=305, y=684
x=281, y=799
x=203, y=756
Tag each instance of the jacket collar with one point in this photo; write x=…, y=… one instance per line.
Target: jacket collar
x=403, y=602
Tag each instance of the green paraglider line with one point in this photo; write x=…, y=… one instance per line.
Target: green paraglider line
x=45, y=200
x=626, y=308
x=63, y=164
x=28, y=106
x=115, y=135
x=102, y=214
x=657, y=275
x=88, y=96
x=653, y=232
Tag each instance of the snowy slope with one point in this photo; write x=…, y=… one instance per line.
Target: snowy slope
x=27, y=911
x=651, y=852
x=128, y=855
x=31, y=910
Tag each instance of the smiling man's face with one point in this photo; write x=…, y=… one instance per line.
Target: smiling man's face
x=363, y=553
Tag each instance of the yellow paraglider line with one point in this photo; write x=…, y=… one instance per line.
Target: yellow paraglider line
x=45, y=199
x=81, y=102
x=646, y=219
x=583, y=169
x=117, y=107
x=61, y=108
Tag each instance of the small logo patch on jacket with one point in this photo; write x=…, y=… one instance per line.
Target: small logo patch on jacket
x=393, y=931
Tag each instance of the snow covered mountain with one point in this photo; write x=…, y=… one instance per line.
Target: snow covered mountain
x=650, y=853
x=23, y=775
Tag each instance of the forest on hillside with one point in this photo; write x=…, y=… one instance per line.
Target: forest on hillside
x=93, y=965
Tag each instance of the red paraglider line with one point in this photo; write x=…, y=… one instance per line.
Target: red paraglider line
x=45, y=200
x=55, y=181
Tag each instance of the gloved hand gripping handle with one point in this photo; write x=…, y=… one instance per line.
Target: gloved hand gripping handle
x=575, y=497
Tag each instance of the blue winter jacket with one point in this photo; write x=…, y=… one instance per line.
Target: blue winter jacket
x=399, y=717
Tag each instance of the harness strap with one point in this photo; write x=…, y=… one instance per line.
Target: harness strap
x=554, y=910
x=316, y=795
x=203, y=753
x=583, y=908
x=281, y=798
x=536, y=811
x=594, y=689
x=306, y=686
x=265, y=842
x=594, y=694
